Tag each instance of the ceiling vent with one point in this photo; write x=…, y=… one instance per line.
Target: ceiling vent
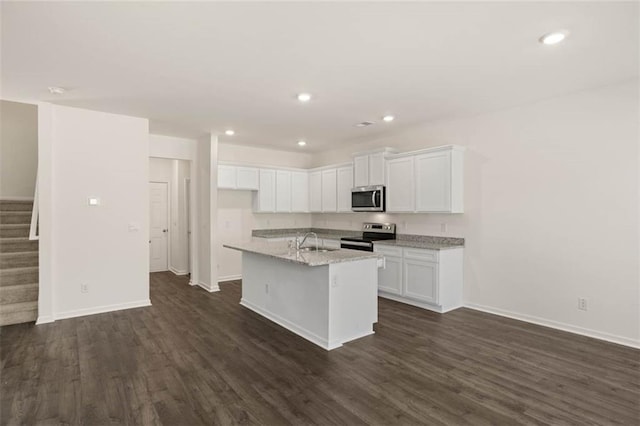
x=365, y=124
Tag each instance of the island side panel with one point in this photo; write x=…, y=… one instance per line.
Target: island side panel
x=292, y=295
x=353, y=300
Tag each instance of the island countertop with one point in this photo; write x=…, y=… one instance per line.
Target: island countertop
x=280, y=250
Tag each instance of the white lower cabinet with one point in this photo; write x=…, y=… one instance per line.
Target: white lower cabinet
x=430, y=279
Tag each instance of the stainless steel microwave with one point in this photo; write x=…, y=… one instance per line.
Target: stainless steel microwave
x=368, y=199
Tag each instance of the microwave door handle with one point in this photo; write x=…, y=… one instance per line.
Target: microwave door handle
x=373, y=198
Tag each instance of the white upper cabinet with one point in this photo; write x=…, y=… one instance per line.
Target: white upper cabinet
x=235, y=177
x=369, y=168
x=283, y=191
x=247, y=178
x=344, y=185
x=376, y=168
x=299, y=192
x=315, y=192
x=266, y=196
x=361, y=170
x=329, y=187
x=226, y=177
x=400, y=185
x=439, y=181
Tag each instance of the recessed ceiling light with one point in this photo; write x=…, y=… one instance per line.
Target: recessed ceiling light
x=365, y=124
x=56, y=90
x=229, y=132
x=554, y=37
x=304, y=97
x=301, y=143
x=388, y=118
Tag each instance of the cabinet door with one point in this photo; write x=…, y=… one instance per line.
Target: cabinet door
x=267, y=191
x=421, y=280
x=283, y=191
x=400, y=189
x=390, y=277
x=299, y=192
x=226, y=177
x=344, y=185
x=361, y=171
x=329, y=189
x=315, y=192
x=433, y=182
x=376, y=169
x=247, y=178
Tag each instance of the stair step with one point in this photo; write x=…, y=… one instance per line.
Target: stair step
x=18, y=294
x=18, y=313
x=15, y=231
x=14, y=245
x=15, y=276
x=15, y=217
x=18, y=260
x=16, y=205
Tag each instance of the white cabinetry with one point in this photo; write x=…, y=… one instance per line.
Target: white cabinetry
x=234, y=177
x=329, y=186
x=369, y=168
x=266, y=196
x=427, y=181
x=400, y=185
x=361, y=170
x=299, y=192
x=283, y=191
x=315, y=192
x=344, y=185
x=430, y=279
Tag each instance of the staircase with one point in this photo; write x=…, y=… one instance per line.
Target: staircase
x=18, y=264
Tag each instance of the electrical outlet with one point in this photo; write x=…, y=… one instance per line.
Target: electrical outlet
x=84, y=288
x=582, y=303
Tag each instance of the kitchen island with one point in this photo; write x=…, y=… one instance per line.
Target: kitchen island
x=327, y=297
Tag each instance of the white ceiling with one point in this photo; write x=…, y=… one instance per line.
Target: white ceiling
x=197, y=67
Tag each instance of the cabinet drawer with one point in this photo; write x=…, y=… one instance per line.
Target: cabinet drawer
x=421, y=254
x=388, y=250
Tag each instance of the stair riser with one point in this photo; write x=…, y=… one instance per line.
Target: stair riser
x=18, y=246
x=22, y=232
x=15, y=219
x=10, y=277
x=18, y=294
x=18, y=261
x=13, y=206
x=20, y=317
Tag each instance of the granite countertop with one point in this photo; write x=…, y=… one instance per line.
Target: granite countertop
x=329, y=234
x=423, y=242
x=280, y=250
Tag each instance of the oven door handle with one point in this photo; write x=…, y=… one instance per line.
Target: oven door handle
x=355, y=243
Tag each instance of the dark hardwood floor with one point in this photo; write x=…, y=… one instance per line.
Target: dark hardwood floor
x=198, y=358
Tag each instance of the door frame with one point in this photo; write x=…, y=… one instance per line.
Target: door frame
x=168, y=185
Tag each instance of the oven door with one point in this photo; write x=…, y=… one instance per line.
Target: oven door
x=368, y=199
x=356, y=245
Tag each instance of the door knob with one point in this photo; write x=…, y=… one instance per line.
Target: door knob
x=164, y=230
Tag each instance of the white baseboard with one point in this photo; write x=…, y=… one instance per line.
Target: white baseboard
x=229, y=278
x=10, y=198
x=211, y=288
x=44, y=320
x=101, y=309
x=178, y=271
x=302, y=332
x=557, y=325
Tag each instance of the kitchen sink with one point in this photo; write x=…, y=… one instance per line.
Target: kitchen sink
x=317, y=249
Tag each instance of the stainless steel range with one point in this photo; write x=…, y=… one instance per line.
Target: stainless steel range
x=370, y=232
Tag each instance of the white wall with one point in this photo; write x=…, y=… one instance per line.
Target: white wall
x=92, y=154
x=161, y=146
x=551, y=209
x=18, y=149
x=263, y=157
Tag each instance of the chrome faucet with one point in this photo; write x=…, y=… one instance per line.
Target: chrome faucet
x=304, y=238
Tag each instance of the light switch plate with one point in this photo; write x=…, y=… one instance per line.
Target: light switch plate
x=94, y=201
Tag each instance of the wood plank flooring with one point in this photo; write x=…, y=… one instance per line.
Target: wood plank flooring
x=198, y=358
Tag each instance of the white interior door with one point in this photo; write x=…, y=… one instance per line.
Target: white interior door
x=159, y=229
